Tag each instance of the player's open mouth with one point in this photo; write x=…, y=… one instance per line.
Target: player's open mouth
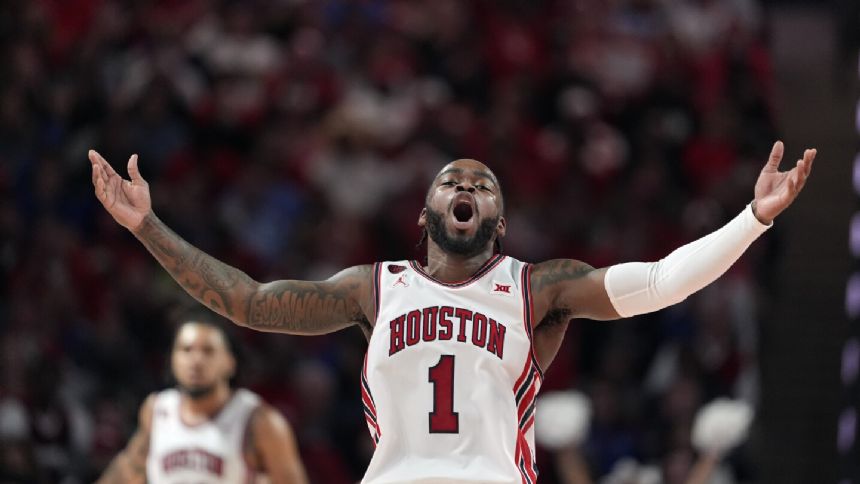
x=463, y=214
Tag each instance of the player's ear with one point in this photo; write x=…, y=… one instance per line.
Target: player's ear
x=422, y=218
x=501, y=227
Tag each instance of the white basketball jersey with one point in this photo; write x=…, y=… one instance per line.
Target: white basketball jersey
x=450, y=376
x=210, y=452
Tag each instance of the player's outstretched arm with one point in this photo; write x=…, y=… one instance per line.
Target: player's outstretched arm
x=633, y=288
x=129, y=466
x=295, y=307
x=275, y=445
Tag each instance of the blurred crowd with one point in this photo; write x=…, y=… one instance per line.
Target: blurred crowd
x=292, y=138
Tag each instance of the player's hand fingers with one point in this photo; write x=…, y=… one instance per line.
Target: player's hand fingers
x=801, y=175
x=794, y=179
x=95, y=157
x=791, y=188
x=808, y=159
x=775, y=156
x=100, y=186
x=133, y=171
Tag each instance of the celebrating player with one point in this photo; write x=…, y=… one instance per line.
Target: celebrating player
x=457, y=347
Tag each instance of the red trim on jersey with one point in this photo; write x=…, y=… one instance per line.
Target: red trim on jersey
x=528, y=399
x=524, y=461
x=525, y=390
x=488, y=266
x=528, y=311
x=529, y=423
x=365, y=386
x=526, y=387
x=518, y=460
x=369, y=405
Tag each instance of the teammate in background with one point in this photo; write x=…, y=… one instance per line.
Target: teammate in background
x=457, y=348
x=204, y=431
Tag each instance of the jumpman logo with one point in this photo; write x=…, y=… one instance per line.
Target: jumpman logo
x=401, y=281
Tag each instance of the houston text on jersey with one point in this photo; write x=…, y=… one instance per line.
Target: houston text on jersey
x=446, y=323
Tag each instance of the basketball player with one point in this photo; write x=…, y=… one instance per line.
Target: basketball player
x=203, y=431
x=457, y=347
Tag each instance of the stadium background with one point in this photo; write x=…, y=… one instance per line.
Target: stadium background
x=292, y=138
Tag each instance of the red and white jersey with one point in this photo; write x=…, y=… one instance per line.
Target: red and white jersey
x=450, y=377
x=210, y=452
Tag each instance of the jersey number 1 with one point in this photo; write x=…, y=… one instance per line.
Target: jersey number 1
x=443, y=418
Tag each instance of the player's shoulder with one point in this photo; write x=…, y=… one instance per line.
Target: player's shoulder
x=147, y=408
x=165, y=396
x=247, y=397
x=384, y=263
x=156, y=397
x=359, y=272
x=268, y=422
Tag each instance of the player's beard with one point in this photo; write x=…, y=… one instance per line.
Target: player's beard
x=460, y=245
x=197, y=392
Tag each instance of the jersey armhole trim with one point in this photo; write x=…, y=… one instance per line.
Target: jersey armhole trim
x=528, y=312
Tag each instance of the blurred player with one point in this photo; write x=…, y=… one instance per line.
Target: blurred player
x=457, y=347
x=203, y=431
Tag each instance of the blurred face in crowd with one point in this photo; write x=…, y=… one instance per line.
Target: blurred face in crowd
x=201, y=360
x=463, y=210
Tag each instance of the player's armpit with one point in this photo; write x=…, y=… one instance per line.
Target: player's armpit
x=567, y=289
x=313, y=307
x=275, y=445
x=129, y=466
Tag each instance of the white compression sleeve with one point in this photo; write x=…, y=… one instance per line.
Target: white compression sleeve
x=640, y=287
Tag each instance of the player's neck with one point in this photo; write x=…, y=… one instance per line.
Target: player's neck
x=208, y=406
x=448, y=267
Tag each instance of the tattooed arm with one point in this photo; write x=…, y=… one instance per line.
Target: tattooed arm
x=295, y=307
x=567, y=289
x=564, y=289
x=287, y=306
x=129, y=466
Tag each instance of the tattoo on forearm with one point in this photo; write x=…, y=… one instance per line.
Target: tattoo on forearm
x=299, y=303
x=289, y=306
x=208, y=280
x=300, y=306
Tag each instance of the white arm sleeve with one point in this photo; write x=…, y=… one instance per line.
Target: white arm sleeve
x=640, y=287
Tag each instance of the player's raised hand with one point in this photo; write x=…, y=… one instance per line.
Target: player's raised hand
x=127, y=201
x=775, y=190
